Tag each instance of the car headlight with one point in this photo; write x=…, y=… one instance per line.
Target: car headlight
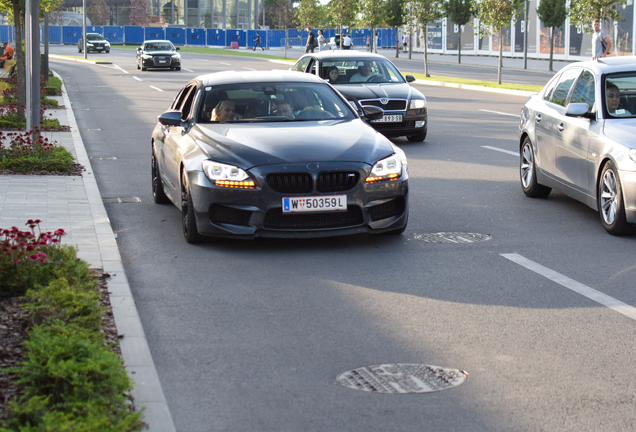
x=107, y=44
x=89, y=44
x=227, y=175
x=632, y=154
x=176, y=56
x=417, y=104
x=146, y=56
x=388, y=169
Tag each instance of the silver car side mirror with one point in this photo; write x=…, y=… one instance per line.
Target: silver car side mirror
x=577, y=110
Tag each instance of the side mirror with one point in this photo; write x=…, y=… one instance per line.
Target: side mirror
x=410, y=78
x=138, y=49
x=178, y=49
x=373, y=113
x=579, y=110
x=170, y=118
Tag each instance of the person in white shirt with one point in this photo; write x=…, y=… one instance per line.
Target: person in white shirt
x=321, y=40
x=364, y=73
x=346, y=42
x=598, y=38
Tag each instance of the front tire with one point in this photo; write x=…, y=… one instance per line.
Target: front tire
x=158, y=194
x=610, y=202
x=419, y=137
x=528, y=173
x=190, y=231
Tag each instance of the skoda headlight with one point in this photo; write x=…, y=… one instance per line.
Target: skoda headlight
x=176, y=55
x=227, y=175
x=146, y=56
x=417, y=103
x=388, y=169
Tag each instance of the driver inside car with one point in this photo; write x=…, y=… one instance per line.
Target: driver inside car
x=364, y=73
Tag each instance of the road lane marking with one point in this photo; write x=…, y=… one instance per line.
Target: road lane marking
x=137, y=78
x=156, y=88
x=501, y=150
x=500, y=113
x=564, y=281
x=226, y=64
x=248, y=68
x=189, y=70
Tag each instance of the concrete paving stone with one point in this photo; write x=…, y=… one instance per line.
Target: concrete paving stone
x=110, y=253
x=146, y=384
x=137, y=352
x=119, y=289
x=113, y=267
x=158, y=416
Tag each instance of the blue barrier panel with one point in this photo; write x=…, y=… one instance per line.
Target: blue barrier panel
x=216, y=37
x=176, y=35
x=71, y=34
x=95, y=29
x=239, y=36
x=55, y=34
x=196, y=37
x=133, y=35
x=4, y=33
x=251, y=34
x=114, y=34
x=154, y=33
x=275, y=38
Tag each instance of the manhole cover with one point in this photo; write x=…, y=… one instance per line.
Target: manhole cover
x=399, y=378
x=452, y=237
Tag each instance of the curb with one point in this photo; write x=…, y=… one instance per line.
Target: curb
x=79, y=60
x=138, y=362
x=477, y=88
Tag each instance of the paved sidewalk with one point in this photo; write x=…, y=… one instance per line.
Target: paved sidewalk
x=74, y=204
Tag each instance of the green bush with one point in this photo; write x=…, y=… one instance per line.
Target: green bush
x=58, y=159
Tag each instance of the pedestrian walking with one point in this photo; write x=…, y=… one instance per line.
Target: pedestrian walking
x=311, y=41
x=321, y=40
x=368, y=43
x=601, y=43
x=257, y=42
x=405, y=42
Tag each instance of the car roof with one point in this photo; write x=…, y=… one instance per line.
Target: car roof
x=156, y=40
x=93, y=34
x=608, y=64
x=347, y=54
x=246, y=77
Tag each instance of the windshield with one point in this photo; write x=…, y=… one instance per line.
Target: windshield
x=620, y=95
x=344, y=71
x=272, y=102
x=92, y=37
x=159, y=46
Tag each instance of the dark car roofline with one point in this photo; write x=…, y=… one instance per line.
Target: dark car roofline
x=246, y=77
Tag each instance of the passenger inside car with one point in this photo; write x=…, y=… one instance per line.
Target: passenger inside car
x=224, y=111
x=614, y=107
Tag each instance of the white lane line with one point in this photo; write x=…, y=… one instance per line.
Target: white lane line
x=248, y=68
x=500, y=113
x=226, y=64
x=501, y=150
x=137, y=78
x=189, y=70
x=584, y=290
x=156, y=88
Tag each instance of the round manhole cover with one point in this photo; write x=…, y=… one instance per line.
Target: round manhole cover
x=400, y=378
x=452, y=237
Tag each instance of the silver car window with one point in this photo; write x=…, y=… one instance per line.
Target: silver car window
x=585, y=90
x=562, y=89
x=620, y=95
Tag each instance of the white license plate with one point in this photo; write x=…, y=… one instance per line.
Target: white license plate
x=315, y=204
x=99, y=48
x=162, y=61
x=389, y=119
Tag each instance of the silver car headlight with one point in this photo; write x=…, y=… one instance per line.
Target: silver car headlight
x=417, y=104
x=632, y=154
x=387, y=169
x=227, y=175
x=176, y=55
x=146, y=56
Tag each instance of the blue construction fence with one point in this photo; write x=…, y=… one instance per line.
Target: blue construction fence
x=132, y=35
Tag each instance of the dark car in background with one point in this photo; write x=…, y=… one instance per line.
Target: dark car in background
x=367, y=79
x=94, y=42
x=288, y=158
x=158, y=54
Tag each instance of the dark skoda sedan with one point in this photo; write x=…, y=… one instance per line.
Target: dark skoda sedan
x=158, y=54
x=367, y=79
x=275, y=154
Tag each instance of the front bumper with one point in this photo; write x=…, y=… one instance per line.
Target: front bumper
x=414, y=122
x=158, y=62
x=250, y=213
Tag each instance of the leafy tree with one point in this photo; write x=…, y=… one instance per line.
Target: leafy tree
x=307, y=14
x=422, y=12
x=98, y=12
x=552, y=13
x=494, y=15
x=372, y=15
x=278, y=14
x=138, y=12
x=343, y=12
x=394, y=18
x=460, y=12
x=583, y=12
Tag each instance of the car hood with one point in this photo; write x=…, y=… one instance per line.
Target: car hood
x=161, y=53
x=621, y=130
x=249, y=145
x=376, y=91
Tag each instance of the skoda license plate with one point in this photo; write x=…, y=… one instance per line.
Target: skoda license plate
x=315, y=204
x=389, y=119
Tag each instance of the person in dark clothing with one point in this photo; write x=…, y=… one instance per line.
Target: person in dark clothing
x=311, y=41
x=257, y=42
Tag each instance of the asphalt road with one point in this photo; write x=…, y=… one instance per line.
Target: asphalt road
x=251, y=335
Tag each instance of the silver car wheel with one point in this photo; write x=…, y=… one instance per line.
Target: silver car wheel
x=527, y=165
x=609, y=193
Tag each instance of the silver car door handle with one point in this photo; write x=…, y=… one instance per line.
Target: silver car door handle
x=538, y=118
x=560, y=127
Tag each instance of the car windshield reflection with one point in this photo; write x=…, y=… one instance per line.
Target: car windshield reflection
x=159, y=47
x=620, y=95
x=267, y=102
x=343, y=71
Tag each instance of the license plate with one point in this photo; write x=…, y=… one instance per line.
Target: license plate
x=389, y=119
x=99, y=48
x=315, y=204
x=162, y=61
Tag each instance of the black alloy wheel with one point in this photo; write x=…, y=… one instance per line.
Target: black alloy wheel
x=189, y=222
x=158, y=194
x=528, y=173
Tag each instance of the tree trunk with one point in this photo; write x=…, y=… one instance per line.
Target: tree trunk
x=19, y=56
x=425, y=52
x=459, y=47
x=397, y=44
x=340, y=36
x=500, y=65
x=551, y=45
